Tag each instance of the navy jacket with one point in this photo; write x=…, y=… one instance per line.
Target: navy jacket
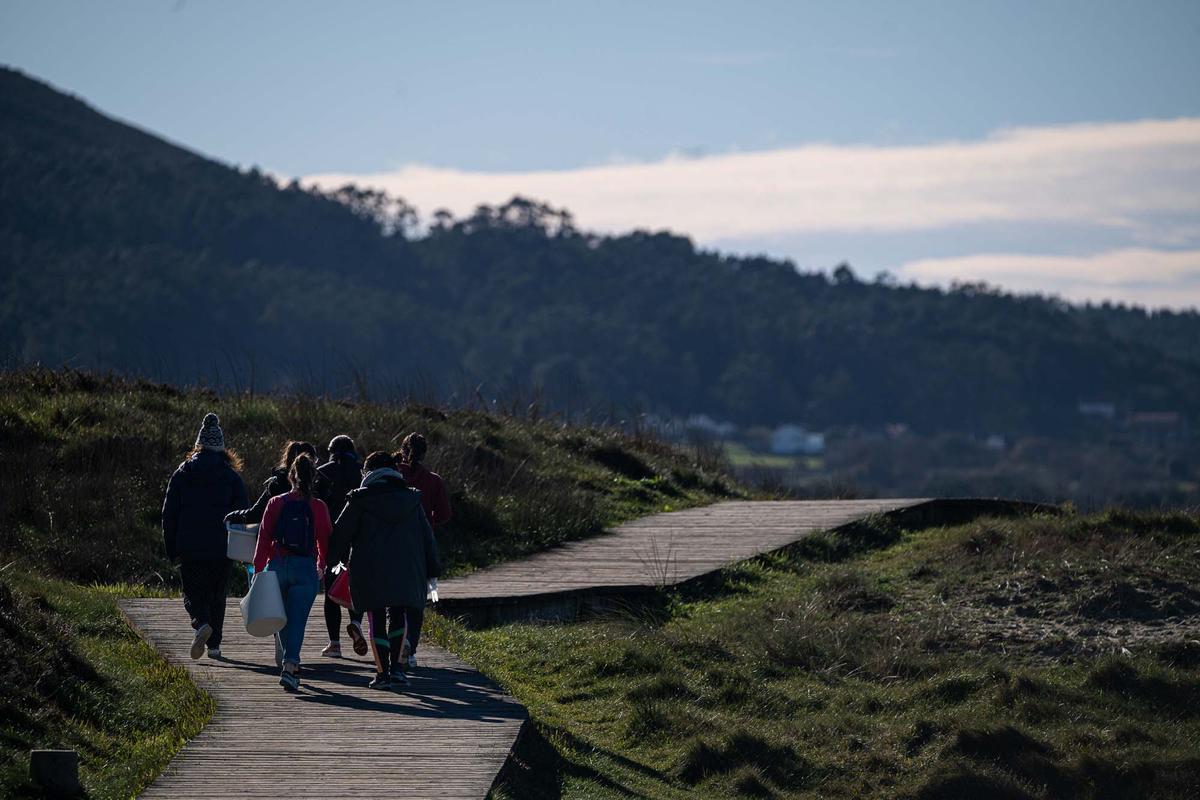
x=201, y=492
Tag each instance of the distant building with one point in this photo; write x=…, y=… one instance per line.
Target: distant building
x=1098, y=408
x=792, y=440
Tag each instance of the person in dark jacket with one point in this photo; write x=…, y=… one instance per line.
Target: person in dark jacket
x=341, y=475
x=202, y=491
x=384, y=537
x=435, y=501
x=276, y=483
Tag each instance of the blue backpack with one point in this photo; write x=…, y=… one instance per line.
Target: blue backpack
x=294, y=530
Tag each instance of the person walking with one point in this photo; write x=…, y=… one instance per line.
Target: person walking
x=384, y=537
x=201, y=491
x=340, y=475
x=275, y=484
x=292, y=542
x=435, y=501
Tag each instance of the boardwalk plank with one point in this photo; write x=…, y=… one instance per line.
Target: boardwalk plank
x=663, y=549
x=446, y=736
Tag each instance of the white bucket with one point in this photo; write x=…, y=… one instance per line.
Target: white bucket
x=262, y=607
x=240, y=542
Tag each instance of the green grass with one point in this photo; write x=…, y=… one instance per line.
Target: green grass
x=1006, y=658
x=741, y=456
x=84, y=462
x=75, y=676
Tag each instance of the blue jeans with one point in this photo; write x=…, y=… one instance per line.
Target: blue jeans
x=298, y=583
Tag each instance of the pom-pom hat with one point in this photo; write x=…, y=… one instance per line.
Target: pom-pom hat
x=211, y=437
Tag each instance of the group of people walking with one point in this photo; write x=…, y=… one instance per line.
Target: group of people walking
x=375, y=517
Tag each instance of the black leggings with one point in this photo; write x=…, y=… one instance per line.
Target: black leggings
x=333, y=612
x=205, y=587
x=416, y=616
x=387, y=638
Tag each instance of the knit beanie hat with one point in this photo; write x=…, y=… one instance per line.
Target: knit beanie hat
x=211, y=437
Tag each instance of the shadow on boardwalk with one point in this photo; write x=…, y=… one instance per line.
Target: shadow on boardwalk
x=446, y=735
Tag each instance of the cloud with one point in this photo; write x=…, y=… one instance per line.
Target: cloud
x=1153, y=278
x=1116, y=175
x=1132, y=184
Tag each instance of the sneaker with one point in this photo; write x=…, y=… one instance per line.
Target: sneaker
x=278, y=652
x=381, y=681
x=290, y=681
x=399, y=681
x=214, y=652
x=356, y=635
x=332, y=650
x=202, y=634
x=412, y=662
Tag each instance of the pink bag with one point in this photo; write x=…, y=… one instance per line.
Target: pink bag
x=339, y=592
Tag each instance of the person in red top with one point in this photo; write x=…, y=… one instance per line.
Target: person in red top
x=435, y=501
x=292, y=541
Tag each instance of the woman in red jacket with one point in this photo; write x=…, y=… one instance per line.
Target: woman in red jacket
x=292, y=542
x=435, y=501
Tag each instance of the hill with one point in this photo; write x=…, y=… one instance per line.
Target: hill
x=84, y=461
x=120, y=250
x=1046, y=657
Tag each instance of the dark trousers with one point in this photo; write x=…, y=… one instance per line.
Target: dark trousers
x=205, y=587
x=416, y=617
x=387, y=638
x=333, y=612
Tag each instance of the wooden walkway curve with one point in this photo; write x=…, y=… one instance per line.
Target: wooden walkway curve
x=451, y=732
x=597, y=574
x=446, y=736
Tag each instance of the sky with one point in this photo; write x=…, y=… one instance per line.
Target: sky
x=1046, y=146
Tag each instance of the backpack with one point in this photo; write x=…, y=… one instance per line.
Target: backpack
x=294, y=530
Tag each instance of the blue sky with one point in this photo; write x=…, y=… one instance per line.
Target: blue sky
x=597, y=105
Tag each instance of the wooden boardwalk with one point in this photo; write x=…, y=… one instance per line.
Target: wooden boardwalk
x=639, y=556
x=446, y=736
x=617, y=569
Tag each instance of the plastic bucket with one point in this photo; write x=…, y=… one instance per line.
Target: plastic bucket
x=262, y=607
x=240, y=542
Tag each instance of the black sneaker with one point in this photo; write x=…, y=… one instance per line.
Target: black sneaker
x=382, y=681
x=290, y=681
x=399, y=681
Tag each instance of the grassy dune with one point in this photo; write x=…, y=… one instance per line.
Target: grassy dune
x=84, y=461
x=1002, y=659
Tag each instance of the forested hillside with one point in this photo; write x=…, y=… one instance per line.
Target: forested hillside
x=120, y=250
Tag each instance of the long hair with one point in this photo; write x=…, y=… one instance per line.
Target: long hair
x=302, y=474
x=231, y=457
x=413, y=448
x=292, y=449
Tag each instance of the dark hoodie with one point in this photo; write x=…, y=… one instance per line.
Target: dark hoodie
x=201, y=492
x=383, y=536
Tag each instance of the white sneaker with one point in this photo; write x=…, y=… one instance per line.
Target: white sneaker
x=278, y=651
x=332, y=650
x=214, y=652
x=202, y=634
x=412, y=662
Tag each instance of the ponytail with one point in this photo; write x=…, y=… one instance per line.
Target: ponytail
x=302, y=474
